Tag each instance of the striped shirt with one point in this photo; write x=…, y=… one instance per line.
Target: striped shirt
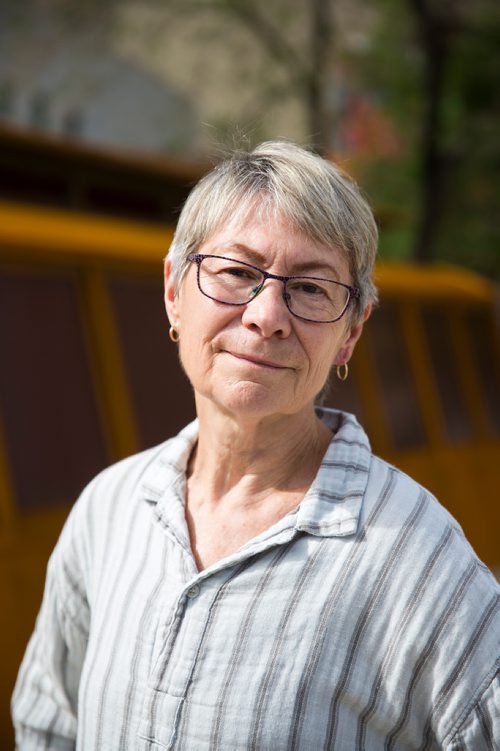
x=360, y=620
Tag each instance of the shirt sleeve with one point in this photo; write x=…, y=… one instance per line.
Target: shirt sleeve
x=480, y=729
x=44, y=703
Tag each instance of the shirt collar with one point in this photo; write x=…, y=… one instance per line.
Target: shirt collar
x=332, y=505
x=330, y=508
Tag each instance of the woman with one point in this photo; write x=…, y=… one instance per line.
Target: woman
x=262, y=581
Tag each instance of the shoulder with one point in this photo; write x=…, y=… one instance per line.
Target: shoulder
x=141, y=476
x=390, y=492
x=122, y=495
x=448, y=598
x=435, y=599
x=414, y=519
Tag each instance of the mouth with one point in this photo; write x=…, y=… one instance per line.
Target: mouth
x=259, y=362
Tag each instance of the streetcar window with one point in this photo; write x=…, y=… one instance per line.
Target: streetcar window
x=47, y=403
x=444, y=366
x=483, y=339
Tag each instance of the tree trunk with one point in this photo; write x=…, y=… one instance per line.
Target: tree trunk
x=321, y=51
x=434, y=39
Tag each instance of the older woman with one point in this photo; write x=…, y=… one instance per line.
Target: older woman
x=262, y=581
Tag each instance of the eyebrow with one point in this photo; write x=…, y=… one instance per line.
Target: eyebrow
x=300, y=268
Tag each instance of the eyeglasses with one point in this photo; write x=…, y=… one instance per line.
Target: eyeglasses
x=234, y=282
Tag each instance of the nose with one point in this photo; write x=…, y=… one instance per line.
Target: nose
x=267, y=312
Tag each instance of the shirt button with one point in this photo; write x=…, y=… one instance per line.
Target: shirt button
x=193, y=591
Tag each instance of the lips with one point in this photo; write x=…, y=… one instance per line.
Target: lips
x=256, y=360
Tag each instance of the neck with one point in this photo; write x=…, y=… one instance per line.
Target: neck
x=249, y=459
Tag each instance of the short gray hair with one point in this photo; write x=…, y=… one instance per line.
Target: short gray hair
x=315, y=195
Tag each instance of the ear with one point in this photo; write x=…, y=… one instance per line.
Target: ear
x=171, y=300
x=345, y=352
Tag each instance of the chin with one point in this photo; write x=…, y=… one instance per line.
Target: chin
x=248, y=398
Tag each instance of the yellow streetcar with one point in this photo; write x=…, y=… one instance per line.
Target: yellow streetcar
x=87, y=373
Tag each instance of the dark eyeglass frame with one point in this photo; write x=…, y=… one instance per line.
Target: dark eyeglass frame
x=354, y=292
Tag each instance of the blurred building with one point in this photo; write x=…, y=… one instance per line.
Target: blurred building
x=123, y=88
x=77, y=89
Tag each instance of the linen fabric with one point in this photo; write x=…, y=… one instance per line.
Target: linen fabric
x=361, y=620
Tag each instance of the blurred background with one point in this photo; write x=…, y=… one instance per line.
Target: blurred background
x=111, y=111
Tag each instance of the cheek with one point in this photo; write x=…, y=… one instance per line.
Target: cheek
x=321, y=373
x=322, y=359
x=200, y=325
x=325, y=353
x=194, y=351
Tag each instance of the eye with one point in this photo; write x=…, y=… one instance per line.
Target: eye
x=237, y=271
x=306, y=287
x=240, y=272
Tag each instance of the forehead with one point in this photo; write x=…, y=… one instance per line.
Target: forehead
x=268, y=239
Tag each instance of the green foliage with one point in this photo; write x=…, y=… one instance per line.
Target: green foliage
x=390, y=70
x=393, y=70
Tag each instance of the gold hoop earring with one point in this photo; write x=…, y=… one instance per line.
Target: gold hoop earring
x=342, y=374
x=173, y=334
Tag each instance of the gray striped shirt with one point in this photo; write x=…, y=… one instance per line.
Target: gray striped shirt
x=361, y=620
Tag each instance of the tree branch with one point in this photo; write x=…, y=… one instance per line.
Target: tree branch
x=269, y=36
